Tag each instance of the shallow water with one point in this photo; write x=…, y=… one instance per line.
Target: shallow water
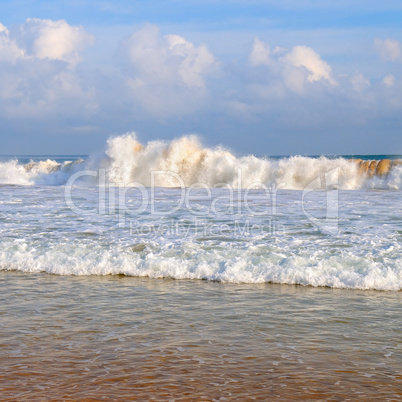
x=127, y=338
x=114, y=289
x=227, y=236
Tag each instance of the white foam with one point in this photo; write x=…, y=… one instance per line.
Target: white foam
x=184, y=162
x=13, y=173
x=357, y=247
x=41, y=234
x=233, y=264
x=46, y=172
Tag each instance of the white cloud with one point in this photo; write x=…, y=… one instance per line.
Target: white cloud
x=389, y=80
x=146, y=52
x=292, y=68
x=57, y=40
x=260, y=53
x=389, y=49
x=294, y=79
x=167, y=73
x=157, y=80
x=303, y=56
x=38, y=95
x=9, y=50
x=33, y=82
x=195, y=61
x=169, y=58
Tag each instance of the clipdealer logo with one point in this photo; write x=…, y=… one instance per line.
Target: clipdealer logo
x=114, y=198
x=326, y=218
x=319, y=201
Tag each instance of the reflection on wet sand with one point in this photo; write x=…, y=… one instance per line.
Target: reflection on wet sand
x=140, y=339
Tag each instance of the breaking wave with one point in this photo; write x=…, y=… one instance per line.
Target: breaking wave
x=185, y=162
x=46, y=172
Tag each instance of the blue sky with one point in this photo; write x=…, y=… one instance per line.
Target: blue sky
x=261, y=77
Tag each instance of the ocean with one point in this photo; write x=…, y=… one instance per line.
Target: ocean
x=171, y=271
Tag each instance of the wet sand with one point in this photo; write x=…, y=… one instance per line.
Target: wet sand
x=109, y=338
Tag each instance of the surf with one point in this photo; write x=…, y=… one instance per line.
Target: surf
x=185, y=162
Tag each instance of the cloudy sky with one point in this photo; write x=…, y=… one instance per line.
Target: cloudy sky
x=264, y=77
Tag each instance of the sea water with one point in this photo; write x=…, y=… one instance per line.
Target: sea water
x=173, y=271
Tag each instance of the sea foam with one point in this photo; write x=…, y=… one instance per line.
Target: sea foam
x=185, y=162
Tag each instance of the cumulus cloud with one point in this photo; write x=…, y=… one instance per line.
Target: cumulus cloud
x=38, y=95
x=9, y=50
x=167, y=81
x=166, y=72
x=194, y=63
x=294, y=68
x=260, y=53
x=303, y=56
x=33, y=82
x=57, y=40
x=169, y=58
x=389, y=49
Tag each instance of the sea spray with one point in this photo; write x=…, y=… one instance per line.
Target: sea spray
x=185, y=162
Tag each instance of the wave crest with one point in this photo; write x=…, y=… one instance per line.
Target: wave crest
x=185, y=162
